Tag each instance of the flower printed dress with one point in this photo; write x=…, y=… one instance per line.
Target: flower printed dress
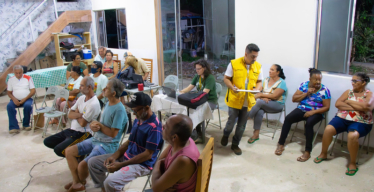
x=356, y=116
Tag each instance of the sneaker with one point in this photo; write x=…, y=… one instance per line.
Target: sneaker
x=224, y=140
x=236, y=149
x=27, y=128
x=14, y=131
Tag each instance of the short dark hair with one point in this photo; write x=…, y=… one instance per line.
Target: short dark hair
x=252, y=47
x=74, y=55
x=76, y=69
x=183, y=128
x=313, y=71
x=363, y=76
x=109, y=51
x=203, y=64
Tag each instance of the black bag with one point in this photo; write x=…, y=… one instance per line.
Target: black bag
x=193, y=99
x=67, y=45
x=126, y=78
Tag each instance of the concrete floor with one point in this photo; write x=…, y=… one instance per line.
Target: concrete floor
x=258, y=169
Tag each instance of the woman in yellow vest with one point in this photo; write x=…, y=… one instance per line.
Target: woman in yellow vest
x=242, y=74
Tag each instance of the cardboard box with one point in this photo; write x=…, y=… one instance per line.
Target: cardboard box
x=47, y=62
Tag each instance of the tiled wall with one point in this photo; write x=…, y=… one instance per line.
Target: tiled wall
x=11, y=10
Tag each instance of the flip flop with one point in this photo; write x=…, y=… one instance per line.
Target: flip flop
x=253, y=140
x=351, y=174
x=302, y=159
x=319, y=160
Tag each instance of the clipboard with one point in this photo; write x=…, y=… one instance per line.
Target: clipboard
x=249, y=91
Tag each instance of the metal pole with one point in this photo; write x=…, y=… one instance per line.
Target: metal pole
x=176, y=38
x=318, y=33
x=55, y=5
x=32, y=33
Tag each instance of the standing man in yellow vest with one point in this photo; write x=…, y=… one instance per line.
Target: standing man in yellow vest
x=242, y=73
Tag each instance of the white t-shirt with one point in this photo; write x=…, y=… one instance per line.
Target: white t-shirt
x=100, y=83
x=20, y=87
x=76, y=83
x=229, y=72
x=90, y=109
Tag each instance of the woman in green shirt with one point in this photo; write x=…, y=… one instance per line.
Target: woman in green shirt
x=206, y=82
x=76, y=62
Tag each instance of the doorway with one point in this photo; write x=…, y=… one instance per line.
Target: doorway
x=197, y=29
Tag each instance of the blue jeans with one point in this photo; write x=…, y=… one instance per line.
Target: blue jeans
x=12, y=114
x=87, y=148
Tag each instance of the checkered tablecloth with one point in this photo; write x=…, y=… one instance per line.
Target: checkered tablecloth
x=46, y=77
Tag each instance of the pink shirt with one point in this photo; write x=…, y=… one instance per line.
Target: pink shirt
x=191, y=152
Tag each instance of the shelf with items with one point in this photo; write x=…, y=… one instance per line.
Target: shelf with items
x=59, y=57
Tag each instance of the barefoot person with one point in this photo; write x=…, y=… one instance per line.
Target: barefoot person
x=354, y=116
x=314, y=100
x=271, y=100
x=106, y=137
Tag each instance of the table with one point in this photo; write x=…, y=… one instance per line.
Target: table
x=46, y=77
x=163, y=103
x=133, y=91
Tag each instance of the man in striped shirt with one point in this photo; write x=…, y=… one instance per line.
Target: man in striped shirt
x=136, y=157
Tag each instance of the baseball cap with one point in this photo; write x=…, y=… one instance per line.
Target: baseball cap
x=139, y=99
x=126, y=54
x=98, y=64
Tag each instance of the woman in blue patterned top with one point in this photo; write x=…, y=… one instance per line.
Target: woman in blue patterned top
x=314, y=100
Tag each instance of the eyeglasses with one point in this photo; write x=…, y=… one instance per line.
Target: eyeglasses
x=198, y=69
x=355, y=80
x=136, y=110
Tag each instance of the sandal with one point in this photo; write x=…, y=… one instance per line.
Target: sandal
x=302, y=159
x=279, y=151
x=319, y=160
x=251, y=140
x=351, y=174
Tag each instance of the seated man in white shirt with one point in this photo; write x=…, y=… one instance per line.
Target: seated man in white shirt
x=101, y=56
x=100, y=80
x=83, y=112
x=20, y=90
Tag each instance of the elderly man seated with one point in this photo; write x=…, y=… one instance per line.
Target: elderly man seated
x=176, y=169
x=20, y=90
x=135, y=158
x=101, y=56
x=84, y=111
x=106, y=139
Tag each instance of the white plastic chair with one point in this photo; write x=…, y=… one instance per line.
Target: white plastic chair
x=170, y=81
x=44, y=108
x=62, y=93
x=218, y=90
x=280, y=115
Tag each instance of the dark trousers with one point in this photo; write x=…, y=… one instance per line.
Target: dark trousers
x=295, y=116
x=68, y=137
x=12, y=113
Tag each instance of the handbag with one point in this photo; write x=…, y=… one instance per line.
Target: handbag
x=193, y=99
x=126, y=78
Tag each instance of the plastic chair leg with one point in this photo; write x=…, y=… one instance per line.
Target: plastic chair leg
x=219, y=118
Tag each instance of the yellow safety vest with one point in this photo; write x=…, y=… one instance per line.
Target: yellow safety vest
x=240, y=74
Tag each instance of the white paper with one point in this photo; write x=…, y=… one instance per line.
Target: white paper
x=250, y=91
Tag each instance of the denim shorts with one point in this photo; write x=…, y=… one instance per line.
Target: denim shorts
x=342, y=125
x=86, y=147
